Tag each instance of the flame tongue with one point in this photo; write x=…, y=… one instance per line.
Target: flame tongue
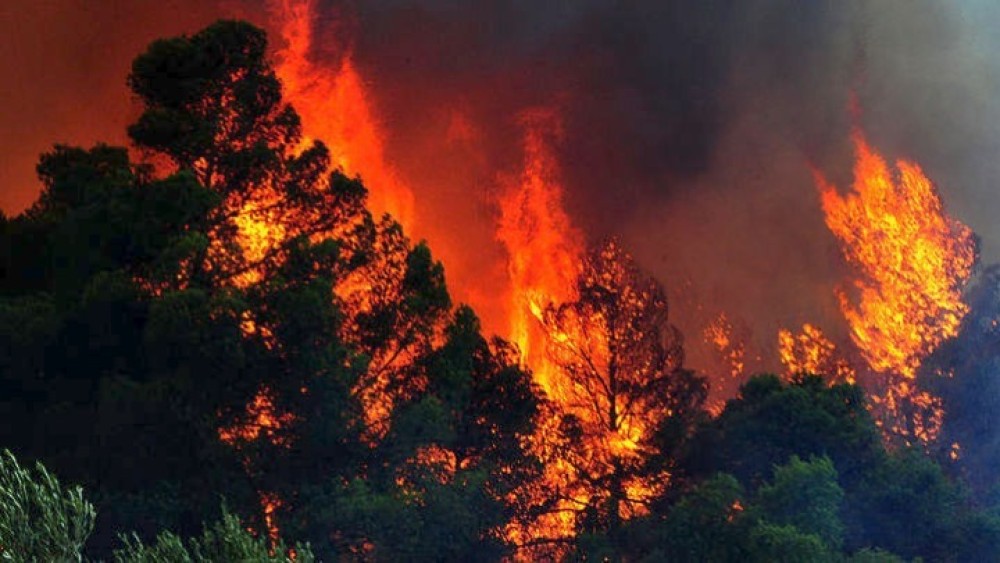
x=543, y=247
x=335, y=107
x=912, y=262
x=545, y=259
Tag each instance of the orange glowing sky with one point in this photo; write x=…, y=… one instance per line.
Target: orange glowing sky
x=448, y=100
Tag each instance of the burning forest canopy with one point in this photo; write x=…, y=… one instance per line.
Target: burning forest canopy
x=639, y=212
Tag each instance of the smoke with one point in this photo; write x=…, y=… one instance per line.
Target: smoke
x=690, y=128
x=64, y=65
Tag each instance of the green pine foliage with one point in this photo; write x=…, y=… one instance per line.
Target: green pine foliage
x=40, y=519
x=225, y=540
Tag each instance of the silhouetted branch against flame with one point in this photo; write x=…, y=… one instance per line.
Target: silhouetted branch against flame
x=543, y=246
x=617, y=361
x=811, y=352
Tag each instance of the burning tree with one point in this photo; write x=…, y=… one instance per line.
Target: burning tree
x=213, y=108
x=912, y=262
x=627, y=400
x=811, y=352
x=270, y=341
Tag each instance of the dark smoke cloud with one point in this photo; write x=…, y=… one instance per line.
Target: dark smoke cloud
x=689, y=126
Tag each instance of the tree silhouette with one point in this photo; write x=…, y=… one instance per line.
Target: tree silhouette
x=625, y=388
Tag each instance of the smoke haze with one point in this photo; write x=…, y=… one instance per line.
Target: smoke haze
x=690, y=129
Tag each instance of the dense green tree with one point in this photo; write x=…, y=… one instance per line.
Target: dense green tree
x=907, y=505
x=900, y=501
x=805, y=494
x=229, y=320
x=704, y=525
x=87, y=379
x=717, y=520
x=770, y=421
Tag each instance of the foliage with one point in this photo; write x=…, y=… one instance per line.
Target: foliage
x=805, y=495
x=225, y=540
x=900, y=501
x=906, y=504
x=874, y=556
x=718, y=521
x=770, y=420
x=40, y=519
x=700, y=526
x=232, y=322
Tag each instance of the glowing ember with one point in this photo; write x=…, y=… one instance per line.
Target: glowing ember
x=912, y=261
x=261, y=419
x=434, y=461
x=720, y=334
x=812, y=352
x=270, y=503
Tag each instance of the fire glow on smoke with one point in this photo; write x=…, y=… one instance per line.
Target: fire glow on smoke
x=909, y=259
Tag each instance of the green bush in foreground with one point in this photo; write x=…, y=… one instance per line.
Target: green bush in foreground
x=40, y=520
x=225, y=540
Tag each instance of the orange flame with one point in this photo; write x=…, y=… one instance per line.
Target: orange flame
x=333, y=103
x=730, y=347
x=545, y=255
x=544, y=249
x=261, y=418
x=812, y=352
x=258, y=231
x=912, y=261
x=544, y=252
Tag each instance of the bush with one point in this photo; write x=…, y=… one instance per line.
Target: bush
x=225, y=540
x=39, y=519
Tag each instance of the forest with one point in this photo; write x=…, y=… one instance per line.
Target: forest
x=212, y=350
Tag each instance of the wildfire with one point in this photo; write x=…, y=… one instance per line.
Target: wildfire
x=911, y=258
x=721, y=335
x=544, y=252
x=812, y=352
x=334, y=105
x=912, y=261
x=271, y=502
x=261, y=418
x=543, y=247
x=259, y=230
x=568, y=344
